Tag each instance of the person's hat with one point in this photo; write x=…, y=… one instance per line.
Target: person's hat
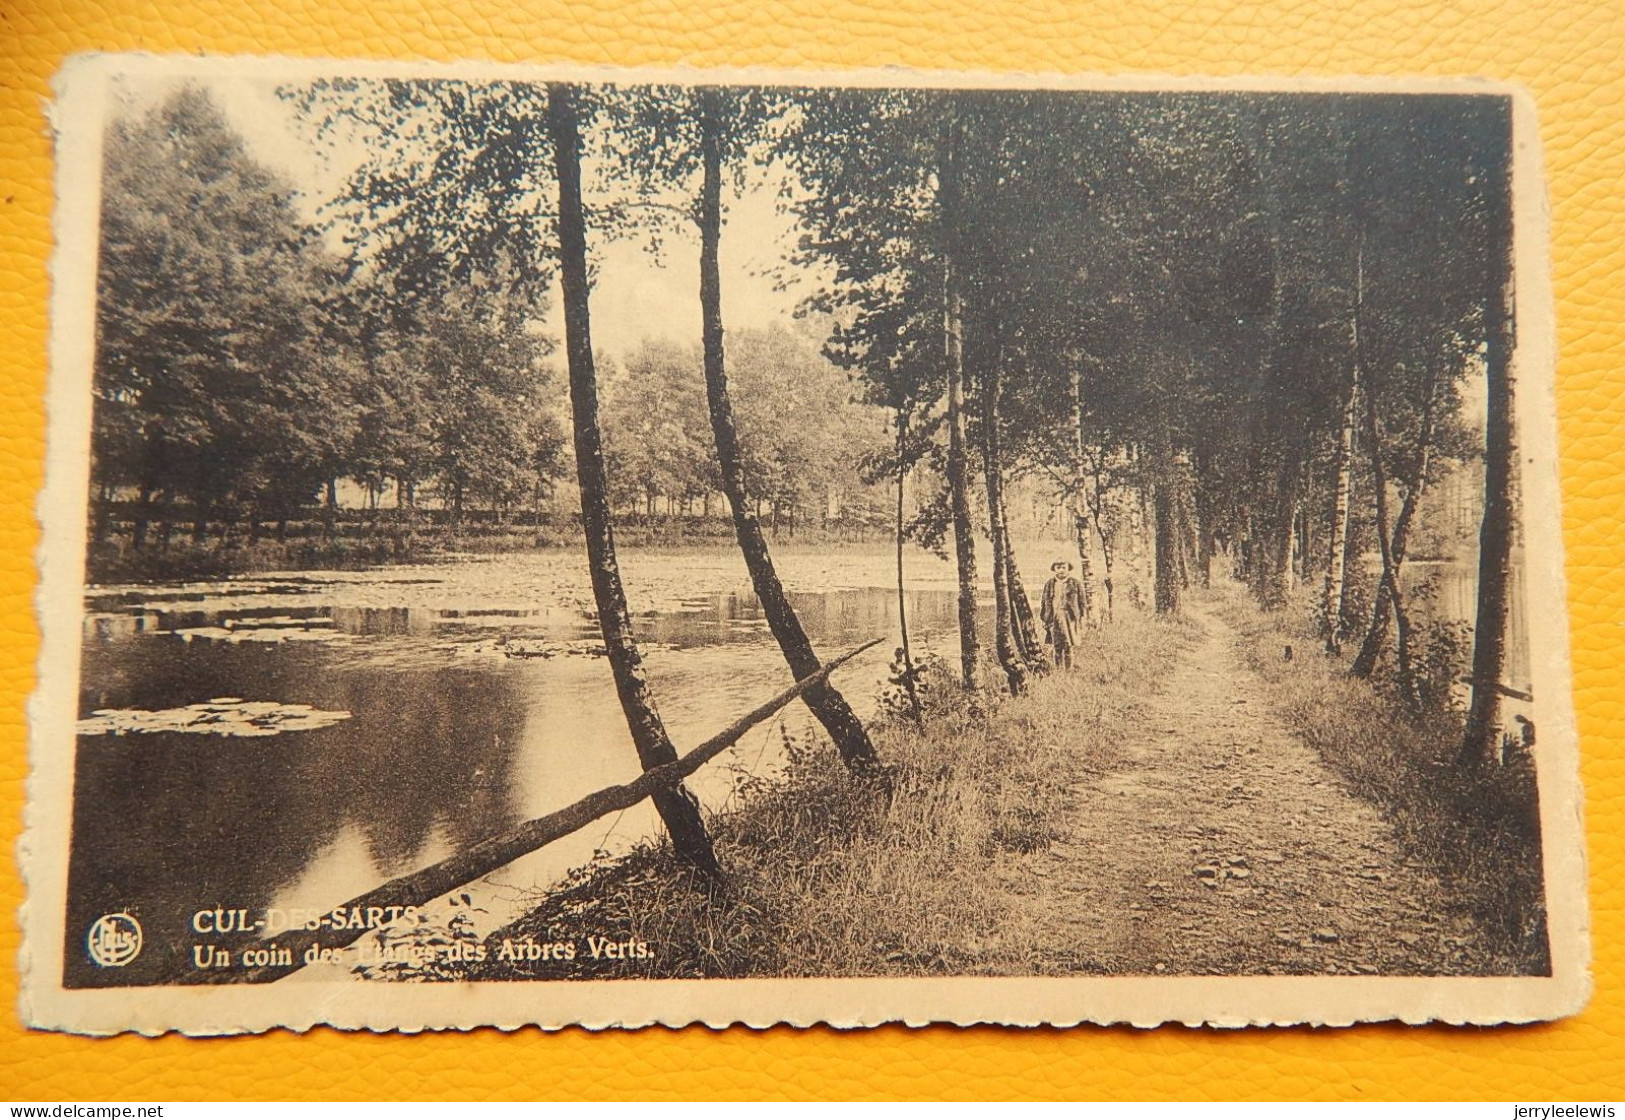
x=1067, y=564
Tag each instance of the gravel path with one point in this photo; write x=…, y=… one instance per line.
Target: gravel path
x=1220, y=844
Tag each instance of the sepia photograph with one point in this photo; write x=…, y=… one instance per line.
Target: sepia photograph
x=863, y=548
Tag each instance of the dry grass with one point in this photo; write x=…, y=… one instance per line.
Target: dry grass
x=829, y=876
x=1477, y=831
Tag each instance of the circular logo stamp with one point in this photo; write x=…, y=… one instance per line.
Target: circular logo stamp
x=114, y=940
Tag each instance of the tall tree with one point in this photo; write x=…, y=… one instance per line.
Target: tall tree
x=1481, y=742
x=674, y=136
x=1078, y=498
x=1337, y=560
x=724, y=123
x=951, y=219
x=677, y=807
x=1417, y=195
x=1010, y=654
x=465, y=181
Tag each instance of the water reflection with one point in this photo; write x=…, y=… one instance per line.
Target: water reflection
x=166, y=824
x=1451, y=588
x=449, y=742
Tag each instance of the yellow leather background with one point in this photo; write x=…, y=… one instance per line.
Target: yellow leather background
x=1570, y=53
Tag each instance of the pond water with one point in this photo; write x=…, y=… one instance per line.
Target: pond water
x=295, y=741
x=1447, y=590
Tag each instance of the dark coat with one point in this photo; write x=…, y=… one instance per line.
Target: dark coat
x=1062, y=611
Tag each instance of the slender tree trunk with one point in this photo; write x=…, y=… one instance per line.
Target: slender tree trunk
x=902, y=599
x=1106, y=558
x=1272, y=541
x=1167, y=544
x=1337, y=561
x=1004, y=639
x=1080, y=539
x=824, y=699
x=958, y=469
x=1390, y=568
x=1274, y=546
x=330, y=507
x=1080, y=501
x=1376, y=635
x=678, y=807
x=1301, y=561
x=1165, y=529
x=1481, y=742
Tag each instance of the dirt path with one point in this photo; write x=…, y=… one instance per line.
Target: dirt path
x=1221, y=844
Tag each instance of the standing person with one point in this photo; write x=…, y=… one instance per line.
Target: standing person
x=1062, y=611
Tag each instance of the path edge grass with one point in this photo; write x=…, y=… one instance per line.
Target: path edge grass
x=831, y=876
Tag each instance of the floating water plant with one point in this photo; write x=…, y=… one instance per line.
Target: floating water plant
x=279, y=629
x=226, y=715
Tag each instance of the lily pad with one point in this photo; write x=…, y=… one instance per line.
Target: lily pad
x=238, y=719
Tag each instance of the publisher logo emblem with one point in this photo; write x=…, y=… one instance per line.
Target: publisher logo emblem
x=114, y=940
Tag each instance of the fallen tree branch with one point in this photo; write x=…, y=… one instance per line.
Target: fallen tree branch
x=424, y=886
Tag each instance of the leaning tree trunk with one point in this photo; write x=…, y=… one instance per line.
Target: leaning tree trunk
x=824, y=699
x=1004, y=639
x=958, y=469
x=1376, y=635
x=1028, y=641
x=1481, y=742
x=676, y=805
x=1390, y=565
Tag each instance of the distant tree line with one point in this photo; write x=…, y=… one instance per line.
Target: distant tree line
x=248, y=362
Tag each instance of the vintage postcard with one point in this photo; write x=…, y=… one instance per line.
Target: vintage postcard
x=546, y=546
